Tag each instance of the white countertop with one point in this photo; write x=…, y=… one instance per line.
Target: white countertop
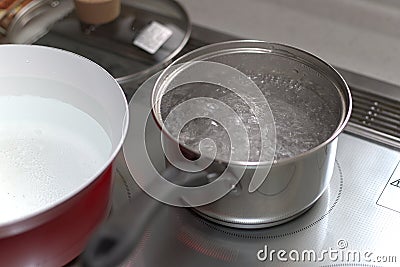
x=359, y=35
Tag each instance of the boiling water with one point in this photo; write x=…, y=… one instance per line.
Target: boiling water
x=305, y=114
x=48, y=149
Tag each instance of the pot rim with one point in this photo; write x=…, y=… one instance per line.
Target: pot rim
x=222, y=48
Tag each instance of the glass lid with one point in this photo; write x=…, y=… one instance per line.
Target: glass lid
x=143, y=39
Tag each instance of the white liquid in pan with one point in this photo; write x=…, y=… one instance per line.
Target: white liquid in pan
x=48, y=149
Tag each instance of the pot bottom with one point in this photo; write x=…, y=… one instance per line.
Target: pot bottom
x=261, y=224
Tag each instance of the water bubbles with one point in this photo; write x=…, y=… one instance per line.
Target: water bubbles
x=45, y=155
x=305, y=112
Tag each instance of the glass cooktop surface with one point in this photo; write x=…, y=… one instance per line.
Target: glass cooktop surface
x=354, y=223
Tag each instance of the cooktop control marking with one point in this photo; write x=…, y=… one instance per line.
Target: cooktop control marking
x=396, y=183
x=390, y=196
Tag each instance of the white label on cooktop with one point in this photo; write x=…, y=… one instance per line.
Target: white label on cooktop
x=390, y=197
x=151, y=38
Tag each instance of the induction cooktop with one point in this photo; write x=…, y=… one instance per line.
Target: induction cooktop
x=355, y=222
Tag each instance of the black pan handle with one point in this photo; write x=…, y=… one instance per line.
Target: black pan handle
x=116, y=238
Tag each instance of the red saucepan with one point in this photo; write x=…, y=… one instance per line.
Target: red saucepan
x=63, y=120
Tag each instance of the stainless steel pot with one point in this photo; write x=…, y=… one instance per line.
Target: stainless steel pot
x=294, y=182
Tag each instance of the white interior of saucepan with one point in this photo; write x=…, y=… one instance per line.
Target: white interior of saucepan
x=62, y=121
